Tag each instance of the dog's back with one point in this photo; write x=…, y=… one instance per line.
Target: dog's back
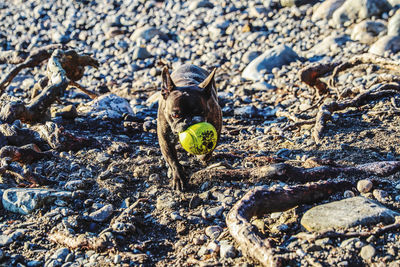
x=187, y=75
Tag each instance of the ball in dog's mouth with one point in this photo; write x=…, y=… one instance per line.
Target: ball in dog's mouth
x=199, y=138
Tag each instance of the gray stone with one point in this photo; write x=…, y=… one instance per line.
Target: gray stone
x=367, y=252
x=165, y=201
x=74, y=185
x=227, y=250
x=346, y=213
x=367, y=31
x=250, y=56
x=215, y=212
x=352, y=10
x=34, y=264
x=140, y=53
x=272, y=58
x=60, y=254
x=5, y=240
x=213, y=231
x=200, y=4
x=25, y=201
x=364, y=186
x=102, y=214
x=394, y=24
x=352, y=243
x=108, y=106
x=326, y=9
x=386, y=44
x=246, y=111
x=1, y=255
x=146, y=33
x=328, y=44
x=289, y=3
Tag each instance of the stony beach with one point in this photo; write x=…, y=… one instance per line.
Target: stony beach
x=107, y=199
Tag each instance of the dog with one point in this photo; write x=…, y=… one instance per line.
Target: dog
x=188, y=96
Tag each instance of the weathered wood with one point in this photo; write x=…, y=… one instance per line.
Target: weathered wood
x=263, y=200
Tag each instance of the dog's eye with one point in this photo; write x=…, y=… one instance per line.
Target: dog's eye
x=175, y=115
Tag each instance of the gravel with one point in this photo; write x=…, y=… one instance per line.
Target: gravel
x=258, y=48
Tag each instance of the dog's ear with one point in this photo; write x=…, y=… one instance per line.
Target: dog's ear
x=208, y=83
x=167, y=83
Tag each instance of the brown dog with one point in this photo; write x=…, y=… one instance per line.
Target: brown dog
x=189, y=96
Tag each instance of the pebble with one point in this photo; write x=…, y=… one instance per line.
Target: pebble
x=348, y=194
x=227, y=250
x=213, y=231
x=26, y=200
x=364, y=186
x=346, y=213
x=367, y=252
x=272, y=58
x=102, y=214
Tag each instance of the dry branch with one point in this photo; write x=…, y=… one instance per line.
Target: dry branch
x=263, y=200
x=288, y=173
x=63, y=66
x=83, y=241
x=325, y=111
x=24, y=60
x=311, y=75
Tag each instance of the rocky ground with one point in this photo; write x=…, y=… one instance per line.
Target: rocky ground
x=259, y=48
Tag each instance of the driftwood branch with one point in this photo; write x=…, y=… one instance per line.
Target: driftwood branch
x=62, y=68
x=83, y=241
x=288, y=173
x=24, y=60
x=326, y=110
x=263, y=200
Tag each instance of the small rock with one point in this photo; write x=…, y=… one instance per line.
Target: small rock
x=380, y=195
x=250, y=56
x=272, y=58
x=325, y=9
x=140, y=53
x=386, y=44
x=117, y=259
x=246, y=112
x=102, y=214
x=74, y=185
x=1, y=255
x=194, y=5
x=227, y=250
x=175, y=216
x=215, y=212
x=60, y=254
x=352, y=10
x=147, y=33
x=394, y=24
x=165, y=201
x=26, y=200
x=213, y=231
x=200, y=240
x=107, y=106
x=289, y=3
x=5, y=240
x=351, y=243
x=346, y=213
x=364, y=186
x=367, y=30
x=367, y=252
x=348, y=194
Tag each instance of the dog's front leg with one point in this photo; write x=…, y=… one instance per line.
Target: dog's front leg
x=168, y=150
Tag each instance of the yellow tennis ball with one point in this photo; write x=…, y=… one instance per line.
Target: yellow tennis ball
x=199, y=138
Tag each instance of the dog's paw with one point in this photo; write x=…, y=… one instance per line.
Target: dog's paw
x=179, y=183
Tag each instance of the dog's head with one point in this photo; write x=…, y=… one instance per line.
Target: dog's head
x=185, y=106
